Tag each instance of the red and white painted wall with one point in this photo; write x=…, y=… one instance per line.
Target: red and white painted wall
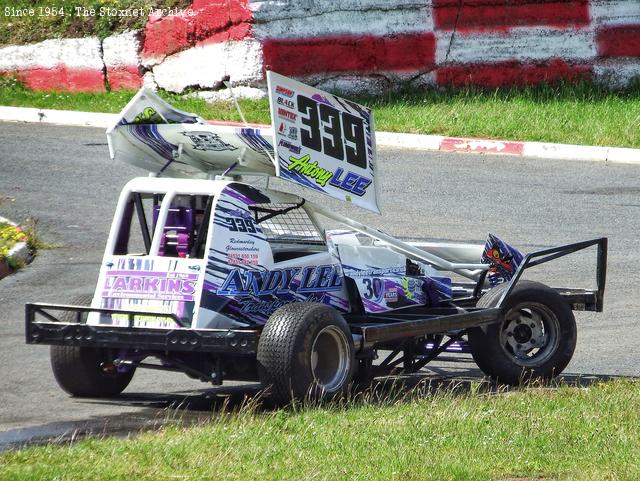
x=351, y=45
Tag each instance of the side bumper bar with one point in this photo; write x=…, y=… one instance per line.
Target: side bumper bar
x=52, y=330
x=372, y=334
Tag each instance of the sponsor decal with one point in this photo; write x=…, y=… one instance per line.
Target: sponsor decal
x=350, y=181
x=300, y=280
x=353, y=272
x=284, y=91
x=241, y=245
x=286, y=102
x=411, y=286
x=242, y=252
x=208, y=141
x=291, y=147
x=288, y=130
x=391, y=295
x=293, y=133
x=287, y=114
x=236, y=259
x=150, y=285
x=263, y=307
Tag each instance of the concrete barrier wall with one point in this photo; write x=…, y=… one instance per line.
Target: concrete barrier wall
x=351, y=45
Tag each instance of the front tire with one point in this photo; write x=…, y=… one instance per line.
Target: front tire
x=306, y=352
x=535, y=341
x=81, y=371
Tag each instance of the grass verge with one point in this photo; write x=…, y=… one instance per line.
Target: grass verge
x=575, y=114
x=536, y=434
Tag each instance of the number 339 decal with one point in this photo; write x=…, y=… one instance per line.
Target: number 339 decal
x=237, y=224
x=345, y=137
x=332, y=149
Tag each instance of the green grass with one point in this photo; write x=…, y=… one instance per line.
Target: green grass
x=45, y=20
x=536, y=434
x=579, y=114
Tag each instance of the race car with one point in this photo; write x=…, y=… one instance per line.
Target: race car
x=209, y=272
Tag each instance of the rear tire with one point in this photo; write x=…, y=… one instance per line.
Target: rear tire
x=305, y=352
x=79, y=370
x=535, y=341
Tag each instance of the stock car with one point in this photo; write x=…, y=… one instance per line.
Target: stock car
x=208, y=272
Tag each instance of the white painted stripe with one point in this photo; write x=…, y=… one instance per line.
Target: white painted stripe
x=520, y=44
x=122, y=50
x=409, y=141
x=627, y=156
x=76, y=53
x=581, y=152
x=351, y=85
x=61, y=117
x=305, y=24
x=617, y=73
x=206, y=65
x=267, y=10
x=615, y=12
x=564, y=151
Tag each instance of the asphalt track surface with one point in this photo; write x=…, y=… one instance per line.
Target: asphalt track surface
x=63, y=177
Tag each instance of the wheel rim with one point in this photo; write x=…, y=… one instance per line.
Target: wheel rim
x=330, y=359
x=530, y=334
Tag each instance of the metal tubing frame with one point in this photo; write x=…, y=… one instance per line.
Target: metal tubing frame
x=419, y=364
x=32, y=308
x=546, y=255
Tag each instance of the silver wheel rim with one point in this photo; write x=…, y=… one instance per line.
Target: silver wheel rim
x=530, y=334
x=330, y=359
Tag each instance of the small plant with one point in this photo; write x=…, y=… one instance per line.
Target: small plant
x=34, y=241
x=10, y=235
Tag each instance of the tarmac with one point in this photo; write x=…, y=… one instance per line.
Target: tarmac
x=544, y=150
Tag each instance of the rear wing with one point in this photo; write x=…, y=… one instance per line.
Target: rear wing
x=152, y=134
x=317, y=140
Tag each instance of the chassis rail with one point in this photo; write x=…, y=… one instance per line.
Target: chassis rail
x=54, y=331
x=425, y=325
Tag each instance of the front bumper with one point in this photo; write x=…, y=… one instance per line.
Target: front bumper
x=43, y=327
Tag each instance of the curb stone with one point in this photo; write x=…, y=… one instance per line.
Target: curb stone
x=18, y=253
x=542, y=150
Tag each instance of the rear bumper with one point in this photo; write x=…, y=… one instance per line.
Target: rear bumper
x=43, y=327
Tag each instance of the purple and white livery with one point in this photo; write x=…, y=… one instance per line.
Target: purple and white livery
x=213, y=273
